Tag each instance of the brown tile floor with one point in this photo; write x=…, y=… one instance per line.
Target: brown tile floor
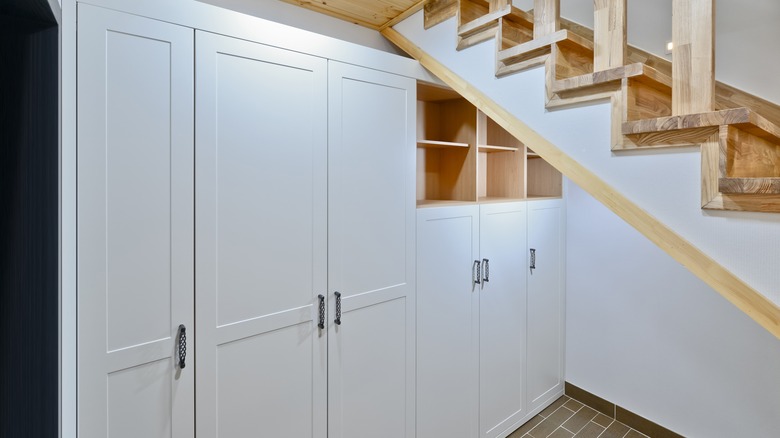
x=568, y=418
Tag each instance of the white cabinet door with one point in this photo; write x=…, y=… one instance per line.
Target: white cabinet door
x=261, y=210
x=371, y=260
x=135, y=226
x=545, y=301
x=448, y=322
x=502, y=317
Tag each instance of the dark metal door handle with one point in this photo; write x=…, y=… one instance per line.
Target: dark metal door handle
x=486, y=270
x=182, y=346
x=533, y=259
x=476, y=273
x=321, y=325
x=338, y=308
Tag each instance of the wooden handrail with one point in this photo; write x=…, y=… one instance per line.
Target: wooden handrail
x=757, y=306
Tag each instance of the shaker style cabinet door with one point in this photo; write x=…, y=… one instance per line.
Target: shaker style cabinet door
x=261, y=230
x=448, y=322
x=371, y=259
x=502, y=316
x=545, y=301
x=135, y=226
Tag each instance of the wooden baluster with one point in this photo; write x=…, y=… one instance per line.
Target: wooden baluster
x=609, y=34
x=693, y=56
x=547, y=17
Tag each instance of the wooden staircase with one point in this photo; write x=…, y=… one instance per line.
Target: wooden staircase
x=655, y=103
x=653, y=106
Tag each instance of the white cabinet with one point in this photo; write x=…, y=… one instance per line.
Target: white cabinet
x=447, y=328
x=546, y=308
x=135, y=226
x=261, y=181
x=371, y=259
x=236, y=189
x=489, y=337
x=502, y=316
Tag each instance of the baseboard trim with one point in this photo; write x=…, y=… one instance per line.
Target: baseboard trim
x=619, y=413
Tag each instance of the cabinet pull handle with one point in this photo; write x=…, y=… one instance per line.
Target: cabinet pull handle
x=321, y=325
x=182, y=346
x=533, y=259
x=476, y=273
x=486, y=270
x=338, y=308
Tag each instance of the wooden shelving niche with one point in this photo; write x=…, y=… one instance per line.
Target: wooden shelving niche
x=464, y=157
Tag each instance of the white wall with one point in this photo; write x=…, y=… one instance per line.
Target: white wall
x=664, y=340
x=295, y=16
x=645, y=333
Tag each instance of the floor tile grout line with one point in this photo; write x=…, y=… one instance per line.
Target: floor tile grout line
x=567, y=430
x=605, y=429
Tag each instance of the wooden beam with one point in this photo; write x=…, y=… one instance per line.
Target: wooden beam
x=693, y=57
x=609, y=33
x=547, y=17
x=757, y=306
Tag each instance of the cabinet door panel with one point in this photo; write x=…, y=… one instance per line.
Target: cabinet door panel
x=448, y=328
x=274, y=401
x=502, y=309
x=545, y=302
x=371, y=252
x=261, y=232
x=135, y=225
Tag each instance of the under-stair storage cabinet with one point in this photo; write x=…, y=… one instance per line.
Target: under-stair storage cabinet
x=371, y=254
x=545, y=301
x=261, y=234
x=489, y=335
x=246, y=238
x=135, y=226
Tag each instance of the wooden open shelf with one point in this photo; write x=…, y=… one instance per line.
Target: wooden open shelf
x=464, y=157
x=501, y=161
x=440, y=144
x=446, y=152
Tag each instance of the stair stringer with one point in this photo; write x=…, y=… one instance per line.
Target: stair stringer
x=659, y=190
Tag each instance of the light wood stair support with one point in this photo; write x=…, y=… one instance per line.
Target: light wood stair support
x=693, y=57
x=525, y=39
x=747, y=299
x=533, y=52
x=609, y=53
x=692, y=84
x=609, y=34
x=547, y=17
x=478, y=20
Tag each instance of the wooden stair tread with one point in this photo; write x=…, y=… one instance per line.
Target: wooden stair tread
x=749, y=186
x=743, y=118
x=520, y=16
x=482, y=23
x=637, y=71
x=542, y=46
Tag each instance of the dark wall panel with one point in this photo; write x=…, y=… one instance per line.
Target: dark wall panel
x=28, y=228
